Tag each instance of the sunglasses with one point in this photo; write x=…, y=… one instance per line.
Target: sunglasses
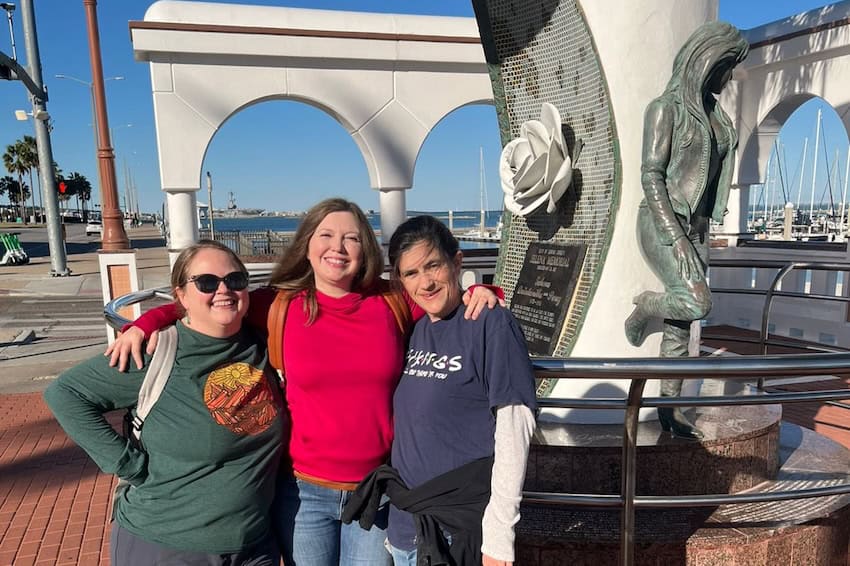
x=208, y=283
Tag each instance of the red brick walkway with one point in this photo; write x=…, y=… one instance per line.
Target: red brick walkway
x=54, y=502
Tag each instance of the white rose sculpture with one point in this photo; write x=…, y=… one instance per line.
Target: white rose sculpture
x=535, y=167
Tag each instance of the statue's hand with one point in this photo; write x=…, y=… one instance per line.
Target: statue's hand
x=687, y=260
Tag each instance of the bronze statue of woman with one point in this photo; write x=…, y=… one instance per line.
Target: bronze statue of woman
x=688, y=156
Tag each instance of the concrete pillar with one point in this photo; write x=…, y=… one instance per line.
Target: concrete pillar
x=118, y=277
x=182, y=220
x=788, y=222
x=734, y=223
x=393, y=211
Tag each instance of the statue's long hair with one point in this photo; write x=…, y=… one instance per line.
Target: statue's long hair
x=713, y=44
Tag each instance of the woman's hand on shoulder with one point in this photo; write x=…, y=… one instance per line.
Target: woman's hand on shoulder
x=479, y=297
x=129, y=344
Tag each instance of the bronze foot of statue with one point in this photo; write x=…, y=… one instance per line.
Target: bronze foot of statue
x=638, y=322
x=674, y=421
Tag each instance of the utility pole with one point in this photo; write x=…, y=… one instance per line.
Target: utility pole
x=34, y=82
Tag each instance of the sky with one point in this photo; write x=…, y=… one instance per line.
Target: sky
x=276, y=167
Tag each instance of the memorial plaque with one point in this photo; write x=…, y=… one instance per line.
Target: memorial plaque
x=544, y=52
x=544, y=292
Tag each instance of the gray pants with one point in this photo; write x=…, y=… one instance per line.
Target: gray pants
x=127, y=549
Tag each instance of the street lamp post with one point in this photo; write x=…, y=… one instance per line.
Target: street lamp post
x=90, y=86
x=114, y=236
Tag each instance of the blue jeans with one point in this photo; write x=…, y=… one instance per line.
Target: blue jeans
x=310, y=532
x=402, y=557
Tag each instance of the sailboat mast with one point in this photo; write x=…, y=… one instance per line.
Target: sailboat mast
x=802, y=173
x=844, y=197
x=814, y=171
x=765, y=188
x=482, y=188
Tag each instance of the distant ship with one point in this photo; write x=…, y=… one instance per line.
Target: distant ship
x=232, y=211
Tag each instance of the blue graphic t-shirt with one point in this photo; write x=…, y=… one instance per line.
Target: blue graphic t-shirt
x=456, y=374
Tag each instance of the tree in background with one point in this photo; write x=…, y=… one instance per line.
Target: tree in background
x=14, y=191
x=32, y=160
x=78, y=185
x=4, y=213
x=15, y=161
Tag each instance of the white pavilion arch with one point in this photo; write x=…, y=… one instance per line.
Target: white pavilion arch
x=387, y=79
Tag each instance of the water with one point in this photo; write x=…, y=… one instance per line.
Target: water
x=463, y=220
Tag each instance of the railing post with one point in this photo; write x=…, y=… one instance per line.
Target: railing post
x=765, y=313
x=629, y=472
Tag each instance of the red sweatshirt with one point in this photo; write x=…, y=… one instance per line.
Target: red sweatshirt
x=341, y=372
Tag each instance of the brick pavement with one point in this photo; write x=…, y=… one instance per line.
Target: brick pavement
x=54, y=502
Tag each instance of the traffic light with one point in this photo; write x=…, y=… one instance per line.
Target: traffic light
x=62, y=187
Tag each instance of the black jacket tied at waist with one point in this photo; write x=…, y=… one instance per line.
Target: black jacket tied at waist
x=454, y=502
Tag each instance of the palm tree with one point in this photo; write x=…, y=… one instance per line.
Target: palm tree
x=78, y=185
x=5, y=182
x=14, y=190
x=14, y=160
x=32, y=160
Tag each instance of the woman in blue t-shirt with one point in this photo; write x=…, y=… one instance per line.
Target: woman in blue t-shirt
x=464, y=408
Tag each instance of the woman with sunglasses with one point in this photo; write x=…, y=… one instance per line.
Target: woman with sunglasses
x=343, y=353
x=202, y=476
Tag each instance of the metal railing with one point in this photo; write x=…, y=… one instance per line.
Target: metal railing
x=638, y=370
x=770, y=293
x=251, y=242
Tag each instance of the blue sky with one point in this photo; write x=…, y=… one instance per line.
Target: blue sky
x=276, y=167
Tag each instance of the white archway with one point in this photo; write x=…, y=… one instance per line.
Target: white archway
x=388, y=79
x=790, y=62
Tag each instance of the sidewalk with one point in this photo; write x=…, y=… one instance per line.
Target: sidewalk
x=29, y=357
x=34, y=278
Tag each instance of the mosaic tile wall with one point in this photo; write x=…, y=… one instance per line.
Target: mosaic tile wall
x=537, y=52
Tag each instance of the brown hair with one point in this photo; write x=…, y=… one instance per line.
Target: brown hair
x=294, y=272
x=418, y=229
x=180, y=270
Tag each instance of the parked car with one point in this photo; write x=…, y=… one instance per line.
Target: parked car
x=94, y=227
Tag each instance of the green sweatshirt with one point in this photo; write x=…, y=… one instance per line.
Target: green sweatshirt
x=212, y=443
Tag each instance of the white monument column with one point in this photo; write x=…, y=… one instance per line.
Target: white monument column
x=636, y=47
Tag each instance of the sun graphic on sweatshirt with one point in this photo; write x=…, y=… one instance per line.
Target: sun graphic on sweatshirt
x=238, y=396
